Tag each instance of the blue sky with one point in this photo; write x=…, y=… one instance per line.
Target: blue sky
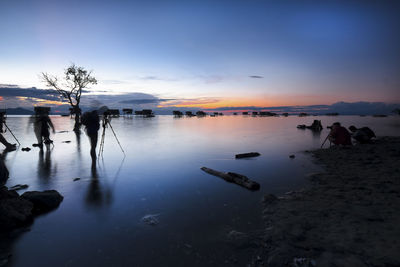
x=303, y=52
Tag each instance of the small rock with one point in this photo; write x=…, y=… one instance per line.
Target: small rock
x=19, y=187
x=76, y=179
x=66, y=142
x=235, y=235
x=292, y=156
x=43, y=201
x=270, y=198
x=151, y=219
x=26, y=149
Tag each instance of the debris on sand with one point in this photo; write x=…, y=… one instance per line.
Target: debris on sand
x=247, y=155
x=18, y=187
x=235, y=178
x=151, y=219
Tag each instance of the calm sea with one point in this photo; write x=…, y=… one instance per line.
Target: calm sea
x=99, y=223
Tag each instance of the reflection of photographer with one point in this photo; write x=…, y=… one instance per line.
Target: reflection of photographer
x=8, y=145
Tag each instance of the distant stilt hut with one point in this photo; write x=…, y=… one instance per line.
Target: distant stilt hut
x=148, y=113
x=177, y=113
x=127, y=111
x=114, y=112
x=201, y=113
x=267, y=114
x=189, y=114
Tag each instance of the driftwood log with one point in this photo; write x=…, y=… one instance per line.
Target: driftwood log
x=236, y=178
x=247, y=155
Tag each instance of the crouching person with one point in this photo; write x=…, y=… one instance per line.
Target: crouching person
x=339, y=135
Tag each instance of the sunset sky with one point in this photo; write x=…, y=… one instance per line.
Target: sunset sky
x=207, y=53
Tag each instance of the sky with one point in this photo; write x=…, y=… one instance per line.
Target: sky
x=206, y=53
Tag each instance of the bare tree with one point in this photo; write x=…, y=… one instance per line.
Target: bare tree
x=75, y=81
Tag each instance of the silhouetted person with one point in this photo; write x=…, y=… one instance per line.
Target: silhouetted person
x=92, y=124
x=42, y=125
x=339, y=135
x=362, y=135
x=8, y=145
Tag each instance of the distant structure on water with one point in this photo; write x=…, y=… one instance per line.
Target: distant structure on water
x=127, y=111
x=146, y=113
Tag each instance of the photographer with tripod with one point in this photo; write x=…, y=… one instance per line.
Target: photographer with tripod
x=42, y=124
x=8, y=145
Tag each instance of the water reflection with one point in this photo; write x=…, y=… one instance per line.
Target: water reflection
x=45, y=169
x=99, y=193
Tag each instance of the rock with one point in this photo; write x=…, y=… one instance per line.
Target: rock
x=19, y=187
x=270, y=198
x=76, y=179
x=66, y=142
x=26, y=149
x=247, y=155
x=151, y=219
x=14, y=211
x=43, y=201
x=292, y=156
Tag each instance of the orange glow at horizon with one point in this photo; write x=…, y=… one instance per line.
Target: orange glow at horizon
x=262, y=101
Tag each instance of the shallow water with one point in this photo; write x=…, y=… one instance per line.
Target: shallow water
x=100, y=222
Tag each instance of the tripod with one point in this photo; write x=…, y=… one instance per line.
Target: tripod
x=105, y=123
x=325, y=141
x=3, y=121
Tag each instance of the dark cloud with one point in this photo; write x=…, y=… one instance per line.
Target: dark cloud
x=14, y=91
x=256, y=77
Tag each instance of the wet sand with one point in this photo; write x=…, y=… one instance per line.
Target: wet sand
x=348, y=216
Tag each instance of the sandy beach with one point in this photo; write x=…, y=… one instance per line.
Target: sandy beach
x=347, y=216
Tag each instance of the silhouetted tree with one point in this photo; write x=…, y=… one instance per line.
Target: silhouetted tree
x=75, y=81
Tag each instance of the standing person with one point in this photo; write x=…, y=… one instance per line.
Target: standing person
x=362, y=135
x=92, y=123
x=42, y=124
x=339, y=135
x=8, y=145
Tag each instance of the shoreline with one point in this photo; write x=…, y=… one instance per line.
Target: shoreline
x=347, y=216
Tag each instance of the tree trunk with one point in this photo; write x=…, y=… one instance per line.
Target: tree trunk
x=77, y=111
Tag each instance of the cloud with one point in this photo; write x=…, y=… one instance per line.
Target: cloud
x=256, y=77
x=156, y=78
x=33, y=92
x=108, y=82
x=144, y=101
x=212, y=78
